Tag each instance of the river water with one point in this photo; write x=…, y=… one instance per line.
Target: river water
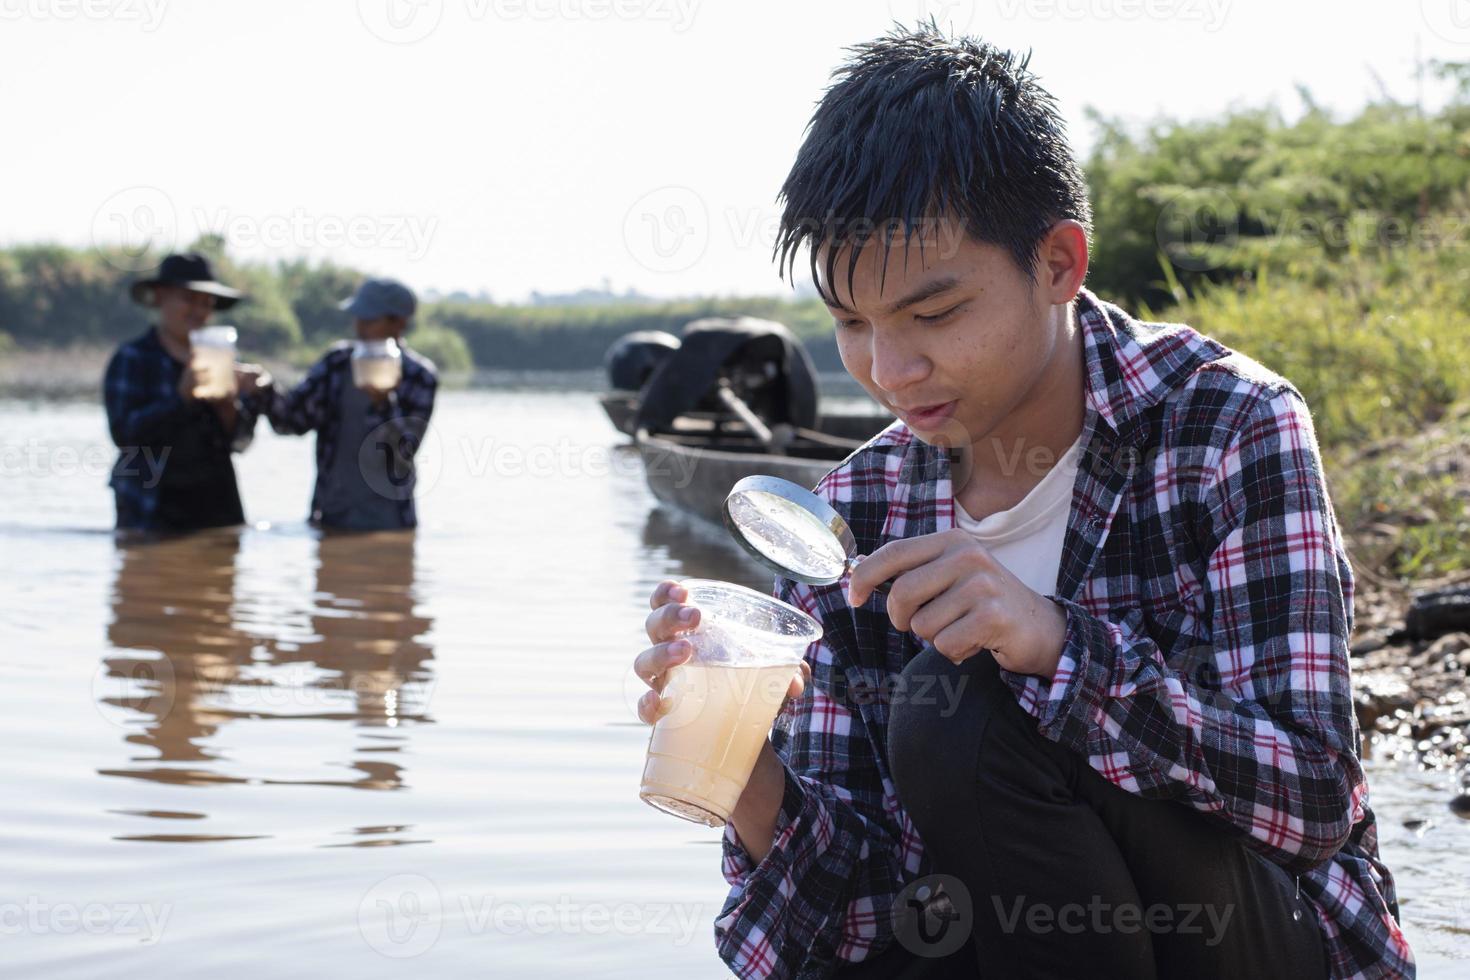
x=267, y=753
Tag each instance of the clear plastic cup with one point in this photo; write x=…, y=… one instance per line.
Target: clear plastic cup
x=720, y=704
x=376, y=364
x=212, y=356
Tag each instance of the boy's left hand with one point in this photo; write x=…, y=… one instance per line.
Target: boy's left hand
x=953, y=594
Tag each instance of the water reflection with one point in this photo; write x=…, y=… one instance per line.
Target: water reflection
x=177, y=643
x=192, y=654
x=676, y=545
x=367, y=633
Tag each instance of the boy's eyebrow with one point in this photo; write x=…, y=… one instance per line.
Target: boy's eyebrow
x=926, y=291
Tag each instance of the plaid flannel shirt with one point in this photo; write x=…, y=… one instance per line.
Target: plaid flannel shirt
x=314, y=405
x=147, y=416
x=1208, y=599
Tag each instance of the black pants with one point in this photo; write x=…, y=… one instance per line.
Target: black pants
x=1062, y=874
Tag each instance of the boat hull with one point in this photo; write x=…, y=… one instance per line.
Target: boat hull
x=697, y=479
x=621, y=409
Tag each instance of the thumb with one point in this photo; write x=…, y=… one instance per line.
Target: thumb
x=799, y=682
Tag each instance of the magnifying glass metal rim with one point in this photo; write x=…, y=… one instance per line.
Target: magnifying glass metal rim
x=804, y=499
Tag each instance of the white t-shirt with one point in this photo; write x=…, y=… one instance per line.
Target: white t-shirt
x=1027, y=538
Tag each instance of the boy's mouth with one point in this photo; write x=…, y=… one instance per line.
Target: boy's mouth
x=926, y=416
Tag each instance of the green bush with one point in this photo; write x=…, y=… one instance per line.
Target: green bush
x=51, y=295
x=443, y=346
x=266, y=322
x=1384, y=353
x=315, y=292
x=1221, y=198
x=576, y=337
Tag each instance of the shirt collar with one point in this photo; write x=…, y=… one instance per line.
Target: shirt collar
x=1132, y=366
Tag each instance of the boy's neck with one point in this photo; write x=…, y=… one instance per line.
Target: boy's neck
x=1005, y=464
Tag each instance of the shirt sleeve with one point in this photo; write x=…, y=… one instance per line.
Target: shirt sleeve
x=304, y=408
x=1256, y=726
x=823, y=891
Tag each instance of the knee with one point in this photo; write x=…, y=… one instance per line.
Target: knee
x=935, y=723
x=957, y=728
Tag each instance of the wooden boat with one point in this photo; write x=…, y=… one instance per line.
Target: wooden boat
x=734, y=397
x=621, y=408
x=694, y=470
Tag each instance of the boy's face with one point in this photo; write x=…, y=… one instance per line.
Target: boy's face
x=182, y=310
x=956, y=338
x=380, y=328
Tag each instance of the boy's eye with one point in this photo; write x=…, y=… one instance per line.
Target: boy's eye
x=849, y=324
x=938, y=317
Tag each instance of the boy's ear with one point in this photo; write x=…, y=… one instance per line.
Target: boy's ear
x=1061, y=261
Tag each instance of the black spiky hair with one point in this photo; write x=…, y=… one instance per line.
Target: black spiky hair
x=917, y=126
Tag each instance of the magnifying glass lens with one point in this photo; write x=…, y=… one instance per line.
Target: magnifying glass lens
x=788, y=535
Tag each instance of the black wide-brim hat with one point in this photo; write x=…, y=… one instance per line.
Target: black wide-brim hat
x=190, y=272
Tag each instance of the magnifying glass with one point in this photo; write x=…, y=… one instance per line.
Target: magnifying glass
x=791, y=531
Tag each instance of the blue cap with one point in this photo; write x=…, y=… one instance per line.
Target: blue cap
x=380, y=297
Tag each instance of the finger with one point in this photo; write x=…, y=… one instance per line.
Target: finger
x=669, y=622
x=652, y=665
x=668, y=591
x=651, y=707
x=893, y=559
x=930, y=619
x=962, y=639
x=916, y=588
x=798, y=684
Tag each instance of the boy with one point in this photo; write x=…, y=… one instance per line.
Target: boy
x=173, y=471
x=365, y=438
x=1103, y=718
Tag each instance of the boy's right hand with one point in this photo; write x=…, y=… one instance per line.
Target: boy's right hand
x=251, y=379
x=188, y=381
x=669, y=621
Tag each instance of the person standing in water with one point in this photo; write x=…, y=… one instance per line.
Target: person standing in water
x=367, y=433
x=175, y=435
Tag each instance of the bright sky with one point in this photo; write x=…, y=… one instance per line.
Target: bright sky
x=519, y=145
